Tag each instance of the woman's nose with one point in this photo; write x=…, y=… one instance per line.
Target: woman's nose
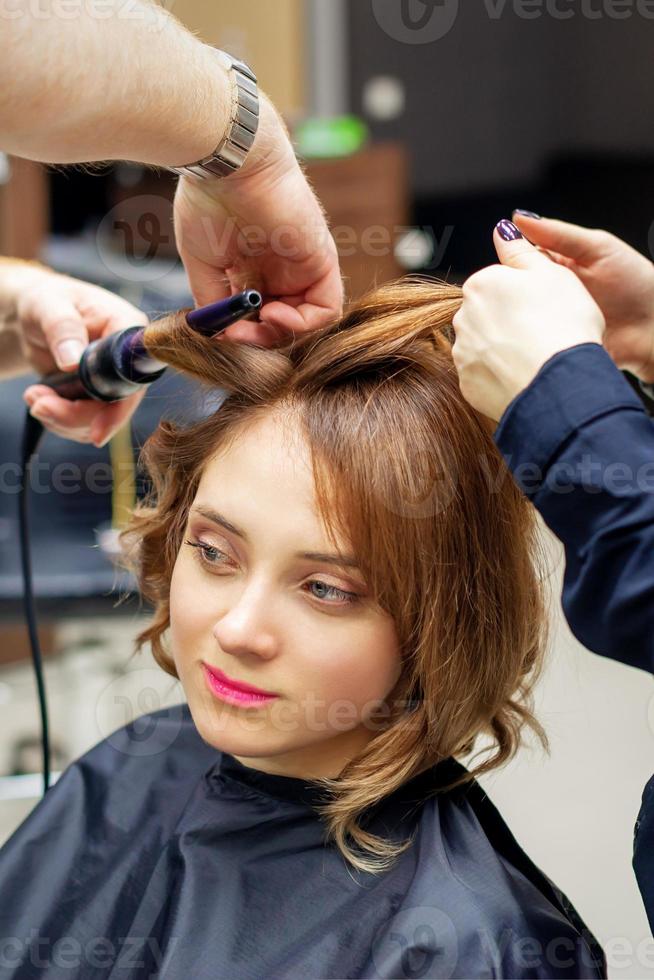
x=246, y=626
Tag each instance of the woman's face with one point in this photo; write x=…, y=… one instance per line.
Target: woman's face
x=260, y=602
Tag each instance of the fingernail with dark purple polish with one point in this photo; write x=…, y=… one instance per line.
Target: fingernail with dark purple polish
x=527, y=214
x=508, y=231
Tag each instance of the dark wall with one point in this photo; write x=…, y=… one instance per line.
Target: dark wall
x=498, y=95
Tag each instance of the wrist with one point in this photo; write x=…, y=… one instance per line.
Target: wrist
x=272, y=145
x=207, y=116
x=645, y=374
x=271, y=151
x=525, y=371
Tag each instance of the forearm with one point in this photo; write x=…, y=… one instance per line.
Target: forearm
x=599, y=500
x=115, y=81
x=581, y=447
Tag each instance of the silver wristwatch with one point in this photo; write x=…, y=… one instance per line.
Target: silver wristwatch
x=229, y=156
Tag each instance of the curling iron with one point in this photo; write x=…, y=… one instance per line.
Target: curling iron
x=115, y=367
x=110, y=369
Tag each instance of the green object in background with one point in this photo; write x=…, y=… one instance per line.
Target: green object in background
x=339, y=136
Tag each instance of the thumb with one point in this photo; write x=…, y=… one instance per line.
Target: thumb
x=514, y=250
x=62, y=327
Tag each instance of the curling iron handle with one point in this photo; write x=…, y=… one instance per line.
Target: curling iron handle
x=67, y=384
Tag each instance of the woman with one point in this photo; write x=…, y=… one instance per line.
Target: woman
x=340, y=536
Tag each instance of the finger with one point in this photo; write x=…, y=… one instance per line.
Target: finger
x=253, y=332
x=572, y=241
x=59, y=320
x=208, y=284
x=281, y=321
x=111, y=417
x=34, y=392
x=81, y=435
x=560, y=259
x=77, y=413
x=82, y=420
x=77, y=434
x=514, y=250
x=284, y=317
x=292, y=320
x=73, y=417
x=295, y=315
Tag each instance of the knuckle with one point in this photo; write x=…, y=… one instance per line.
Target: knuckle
x=603, y=239
x=480, y=280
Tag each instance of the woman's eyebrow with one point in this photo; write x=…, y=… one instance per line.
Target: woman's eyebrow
x=216, y=518
x=345, y=561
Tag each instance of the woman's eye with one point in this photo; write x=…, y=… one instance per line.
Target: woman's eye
x=207, y=554
x=334, y=593
x=210, y=556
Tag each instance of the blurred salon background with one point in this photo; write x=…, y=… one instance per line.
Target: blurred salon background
x=420, y=124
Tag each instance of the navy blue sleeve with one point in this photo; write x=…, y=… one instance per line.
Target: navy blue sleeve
x=581, y=446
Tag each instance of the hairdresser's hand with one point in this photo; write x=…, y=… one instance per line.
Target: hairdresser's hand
x=620, y=280
x=514, y=317
x=261, y=228
x=56, y=317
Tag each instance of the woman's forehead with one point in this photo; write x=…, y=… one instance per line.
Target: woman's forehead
x=272, y=449
x=263, y=480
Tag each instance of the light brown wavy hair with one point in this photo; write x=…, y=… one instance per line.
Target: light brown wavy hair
x=408, y=473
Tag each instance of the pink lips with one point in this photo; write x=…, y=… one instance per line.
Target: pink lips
x=234, y=692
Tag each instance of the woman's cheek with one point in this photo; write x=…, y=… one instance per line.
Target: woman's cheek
x=359, y=668
x=184, y=601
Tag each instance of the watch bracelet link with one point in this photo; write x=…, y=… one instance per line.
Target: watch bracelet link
x=230, y=154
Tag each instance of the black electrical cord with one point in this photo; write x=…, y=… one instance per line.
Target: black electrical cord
x=32, y=434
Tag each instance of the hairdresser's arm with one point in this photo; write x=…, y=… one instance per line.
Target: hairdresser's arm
x=112, y=80
x=581, y=446
x=128, y=81
x=42, y=312
x=574, y=435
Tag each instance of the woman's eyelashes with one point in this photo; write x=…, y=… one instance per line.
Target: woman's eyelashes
x=211, y=557
x=348, y=597
x=203, y=552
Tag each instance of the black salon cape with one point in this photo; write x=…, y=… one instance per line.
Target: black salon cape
x=581, y=446
x=155, y=855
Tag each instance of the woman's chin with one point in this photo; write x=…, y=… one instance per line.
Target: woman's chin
x=235, y=731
